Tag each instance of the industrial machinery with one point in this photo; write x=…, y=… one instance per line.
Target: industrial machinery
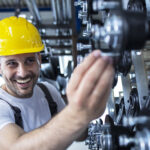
x=121, y=29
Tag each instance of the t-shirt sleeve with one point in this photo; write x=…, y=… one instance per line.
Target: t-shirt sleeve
x=6, y=114
x=56, y=96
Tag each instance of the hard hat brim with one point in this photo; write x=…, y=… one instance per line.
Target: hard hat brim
x=21, y=51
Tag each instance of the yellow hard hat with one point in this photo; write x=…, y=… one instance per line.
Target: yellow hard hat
x=18, y=36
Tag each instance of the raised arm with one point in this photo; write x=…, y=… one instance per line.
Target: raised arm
x=87, y=93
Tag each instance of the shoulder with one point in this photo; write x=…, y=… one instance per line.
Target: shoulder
x=51, y=88
x=6, y=114
x=55, y=95
x=4, y=106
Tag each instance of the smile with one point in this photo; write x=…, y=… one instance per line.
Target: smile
x=23, y=81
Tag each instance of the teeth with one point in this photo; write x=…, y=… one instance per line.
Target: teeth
x=24, y=81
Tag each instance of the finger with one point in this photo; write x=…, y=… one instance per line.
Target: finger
x=99, y=106
x=101, y=92
x=81, y=69
x=91, y=77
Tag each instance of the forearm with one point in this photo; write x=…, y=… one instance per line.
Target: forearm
x=59, y=133
x=83, y=136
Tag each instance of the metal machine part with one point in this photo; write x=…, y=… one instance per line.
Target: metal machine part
x=147, y=2
x=18, y=8
x=81, y=46
x=121, y=31
x=137, y=6
x=118, y=33
x=134, y=106
x=61, y=11
x=99, y=5
x=142, y=140
x=83, y=13
x=139, y=141
x=124, y=63
x=34, y=10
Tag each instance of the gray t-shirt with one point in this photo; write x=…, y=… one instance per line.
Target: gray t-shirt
x=34, y=110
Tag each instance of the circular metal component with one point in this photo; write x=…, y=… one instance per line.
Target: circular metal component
x=136, y=5
x=125, y=141
x=113, y=32
x=139, y=142
x=134, y=107
x=125, y=63
x=99, y=5
x=143, y=140
x=107, y=142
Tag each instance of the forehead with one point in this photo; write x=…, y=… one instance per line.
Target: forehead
x=17, y=57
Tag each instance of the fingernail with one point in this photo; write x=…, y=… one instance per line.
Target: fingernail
x=97, y=53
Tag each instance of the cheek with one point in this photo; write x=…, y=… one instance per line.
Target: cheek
x=6, y=72
x=36, y=69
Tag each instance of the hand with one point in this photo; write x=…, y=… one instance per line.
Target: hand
x=89, y=86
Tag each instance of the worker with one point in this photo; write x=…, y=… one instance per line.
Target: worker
x=26, y=121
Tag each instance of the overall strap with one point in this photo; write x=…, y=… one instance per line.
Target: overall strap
x=51, y=102
x=17, y=114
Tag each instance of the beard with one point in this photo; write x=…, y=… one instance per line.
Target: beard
x=21, y=91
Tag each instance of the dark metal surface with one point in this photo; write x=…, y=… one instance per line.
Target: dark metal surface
x=74, y=34
x=33, y=8
x=50, y=37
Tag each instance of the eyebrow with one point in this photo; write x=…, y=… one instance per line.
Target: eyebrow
x=9, y=60
x=12, y=59
x=30, y=57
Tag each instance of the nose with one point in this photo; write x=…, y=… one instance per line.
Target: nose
x=22, y=70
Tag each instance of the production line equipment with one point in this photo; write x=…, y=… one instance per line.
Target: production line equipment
x=121, y=29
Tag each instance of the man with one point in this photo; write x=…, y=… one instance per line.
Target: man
x=87, y=93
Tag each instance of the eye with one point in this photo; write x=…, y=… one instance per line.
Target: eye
x=12, y=64
x=30, y=60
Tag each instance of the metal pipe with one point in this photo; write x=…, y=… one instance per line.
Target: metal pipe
x=55, y=15
x=69, y=9
x=32, y=6
x=74, y=34
x=60, y=10
x=64, y=11
x=18, y=8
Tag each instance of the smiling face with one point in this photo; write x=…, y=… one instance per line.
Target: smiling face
x=20, y=73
